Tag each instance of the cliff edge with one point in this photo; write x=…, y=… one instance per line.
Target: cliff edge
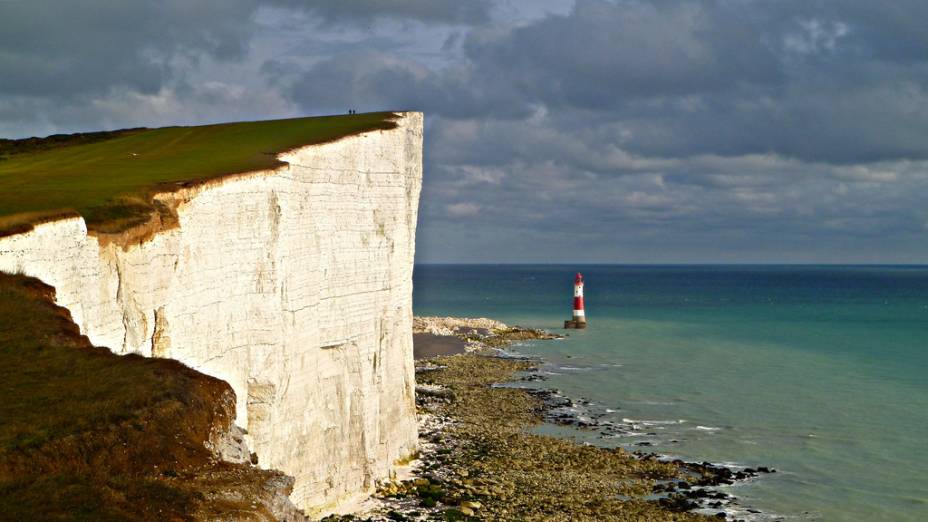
x=292, y=284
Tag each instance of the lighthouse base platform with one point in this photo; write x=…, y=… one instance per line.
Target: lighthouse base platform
x=574, y=324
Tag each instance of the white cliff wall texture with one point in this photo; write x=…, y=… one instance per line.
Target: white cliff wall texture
x=293, y=285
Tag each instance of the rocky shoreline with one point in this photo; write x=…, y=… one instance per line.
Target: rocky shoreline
x=478, y=461
x=480, y=335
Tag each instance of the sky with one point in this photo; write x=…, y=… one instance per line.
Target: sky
x=557, y=131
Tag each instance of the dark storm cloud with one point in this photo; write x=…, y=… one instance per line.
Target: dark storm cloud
x=816, y=80
x=368, y=80
x=66, y=48
x=85, y=64
x=363, y=11
x=601, y=53
x=820, y=81
x=72, y=48
x=635, y=130
x=761, y=127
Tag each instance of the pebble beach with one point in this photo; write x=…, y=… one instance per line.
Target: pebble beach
x=478, y=459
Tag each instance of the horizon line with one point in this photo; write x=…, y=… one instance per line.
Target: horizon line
x=532, y=263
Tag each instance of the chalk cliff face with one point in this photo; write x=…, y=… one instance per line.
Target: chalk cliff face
x=294, y=285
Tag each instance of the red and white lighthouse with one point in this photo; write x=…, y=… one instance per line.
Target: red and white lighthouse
x=579, y=318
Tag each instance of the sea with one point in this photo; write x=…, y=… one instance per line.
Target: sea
x=820, y=372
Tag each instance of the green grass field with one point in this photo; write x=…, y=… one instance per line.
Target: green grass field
x=110, y=181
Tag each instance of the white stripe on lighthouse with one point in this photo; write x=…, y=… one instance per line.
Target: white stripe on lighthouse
x=578, y=313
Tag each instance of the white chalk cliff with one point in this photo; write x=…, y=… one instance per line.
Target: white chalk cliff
x=294, y=285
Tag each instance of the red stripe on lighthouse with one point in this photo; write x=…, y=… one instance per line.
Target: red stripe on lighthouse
x=579, y=314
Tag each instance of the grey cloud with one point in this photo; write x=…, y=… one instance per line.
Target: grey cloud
x=602, y=52
x=814, y=120
x=785, y=127
x=712, y=77
x=885, y=31
x=64, y=60
x=674, y=79
x=634, y=208
x=644, y=218
x=663, y=130
x=72, y=48
x=373, y=80
x=363, y=11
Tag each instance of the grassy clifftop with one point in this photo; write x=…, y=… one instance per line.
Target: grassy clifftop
x=109, y=178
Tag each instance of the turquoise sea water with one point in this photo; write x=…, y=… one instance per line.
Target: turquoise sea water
x=818, y=371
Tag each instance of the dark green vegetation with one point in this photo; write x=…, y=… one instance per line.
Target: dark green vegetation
x=109, y=177
x=89, y=435
x=26, y=145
